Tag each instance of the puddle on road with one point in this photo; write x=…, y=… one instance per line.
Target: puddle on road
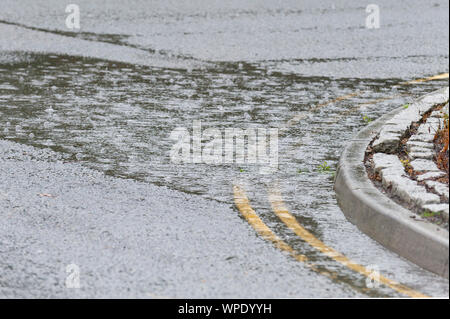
x=117, y=118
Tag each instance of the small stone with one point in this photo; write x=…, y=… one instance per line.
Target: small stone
x=429, y=175
x=422, y=197
x=411, y=192
x=386, y=143
x=424, y=165
x=439, y=188
x=416, y=144
x=426, y=138
x=421, y=153
x=427, y=128
x=382, y=161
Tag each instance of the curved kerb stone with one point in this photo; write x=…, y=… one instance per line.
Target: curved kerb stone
x=377, y=215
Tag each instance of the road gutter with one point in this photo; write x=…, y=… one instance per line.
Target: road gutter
x=380, y=217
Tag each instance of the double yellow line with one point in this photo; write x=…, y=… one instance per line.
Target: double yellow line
x=280, y=210
x=243, y=204
x=431, y=78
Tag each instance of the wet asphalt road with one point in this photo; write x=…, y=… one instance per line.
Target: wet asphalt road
x=85, y=120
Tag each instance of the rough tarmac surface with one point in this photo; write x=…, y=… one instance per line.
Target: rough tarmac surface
x=127, y=242
x=235, y=63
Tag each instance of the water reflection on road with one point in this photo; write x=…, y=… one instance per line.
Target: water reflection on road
x=117, y=118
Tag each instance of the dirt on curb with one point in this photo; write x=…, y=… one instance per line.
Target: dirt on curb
x=441, y=159
x=441, y=143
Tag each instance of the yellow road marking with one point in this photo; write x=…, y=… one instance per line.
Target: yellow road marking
x=262, y=229
x=243, y=205
x=283, y=213
x=431, y=78
x=295, y=119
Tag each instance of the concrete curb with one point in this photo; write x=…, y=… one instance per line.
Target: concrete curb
x=381, y=218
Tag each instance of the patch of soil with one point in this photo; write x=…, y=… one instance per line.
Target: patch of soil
x=401, y=152
x=441, y=140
